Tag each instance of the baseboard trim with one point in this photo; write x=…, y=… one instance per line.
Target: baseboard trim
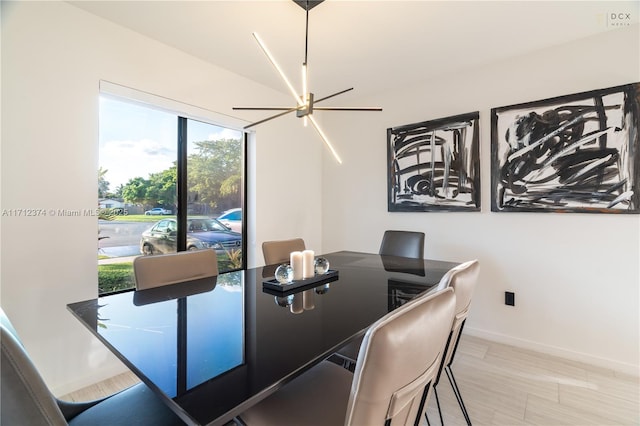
x=621, y=367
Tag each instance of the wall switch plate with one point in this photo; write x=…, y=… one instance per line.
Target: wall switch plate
x=509, y=298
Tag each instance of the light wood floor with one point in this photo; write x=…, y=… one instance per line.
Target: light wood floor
x=503, y=385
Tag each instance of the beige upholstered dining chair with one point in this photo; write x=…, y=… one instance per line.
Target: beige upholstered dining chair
x=462, y=279
x=26, y=399
x=173, y=268
x=278, y=251
x=402, y=243
x=399, y=359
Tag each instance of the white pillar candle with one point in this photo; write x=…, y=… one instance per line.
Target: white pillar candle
x=308, y=264
x=295, y=259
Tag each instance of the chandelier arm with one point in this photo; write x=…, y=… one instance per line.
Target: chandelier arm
x=347, y=108
x=270, y=118
x=265, y=108
x=331, y=96
x=325, y=139
x=275, y=64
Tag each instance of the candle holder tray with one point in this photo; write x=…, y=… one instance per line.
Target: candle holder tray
x=274, y=286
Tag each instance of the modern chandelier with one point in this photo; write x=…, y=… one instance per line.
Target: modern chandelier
x=306, y=103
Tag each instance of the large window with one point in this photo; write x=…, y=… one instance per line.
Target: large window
x=164, y=179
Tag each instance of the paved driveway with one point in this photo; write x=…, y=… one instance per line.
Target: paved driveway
x=121, y=233
x=120, y=240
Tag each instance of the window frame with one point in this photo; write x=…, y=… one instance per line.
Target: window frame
x=185, y=112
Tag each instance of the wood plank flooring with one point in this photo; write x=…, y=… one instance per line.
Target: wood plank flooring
x=504, y=385
x=102, y=389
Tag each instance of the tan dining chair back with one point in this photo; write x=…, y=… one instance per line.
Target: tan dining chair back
x=278, y=251
x=462, y=279
x=400, y=356
x=398, y=360
x=402, y=243
x=26, y=400
x=166, y=269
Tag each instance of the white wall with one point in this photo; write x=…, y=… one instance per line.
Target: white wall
x=53, y=57
x=575, y=276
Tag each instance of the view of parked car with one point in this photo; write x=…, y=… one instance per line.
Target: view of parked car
x=157, y=211
x=201, y=233
x=232, y=219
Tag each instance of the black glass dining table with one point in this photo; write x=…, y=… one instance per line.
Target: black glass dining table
x=213, y=348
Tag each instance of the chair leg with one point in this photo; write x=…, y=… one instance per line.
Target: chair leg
x=435, y=392
x=456, y=391
x=422, y=408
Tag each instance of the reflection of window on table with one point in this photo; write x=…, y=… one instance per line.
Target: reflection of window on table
x=212, y=345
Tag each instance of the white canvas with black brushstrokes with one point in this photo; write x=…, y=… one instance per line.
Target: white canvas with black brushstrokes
x=575, y=153
x=434, y=165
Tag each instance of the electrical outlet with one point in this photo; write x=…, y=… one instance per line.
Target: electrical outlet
x=509, y=298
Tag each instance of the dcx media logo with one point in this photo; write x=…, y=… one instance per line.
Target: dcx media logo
x=619, y=19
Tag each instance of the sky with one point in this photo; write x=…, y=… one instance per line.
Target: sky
x=136, y=140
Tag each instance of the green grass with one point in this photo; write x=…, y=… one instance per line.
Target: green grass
x=114, y=277
x=141, y=218
x=145, y=218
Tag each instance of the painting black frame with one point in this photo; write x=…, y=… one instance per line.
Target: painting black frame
x=448, y=180
x=575, y=153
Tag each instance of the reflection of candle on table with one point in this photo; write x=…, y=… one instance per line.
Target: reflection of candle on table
x=307, y=300
x=296, y=261
x=308, y=264
x=297, y=305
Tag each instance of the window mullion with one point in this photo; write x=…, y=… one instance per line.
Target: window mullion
x=181, y=182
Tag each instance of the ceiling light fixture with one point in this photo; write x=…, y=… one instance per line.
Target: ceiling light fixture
x=306, y=103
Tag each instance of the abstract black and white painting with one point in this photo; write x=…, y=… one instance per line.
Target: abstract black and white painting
x=434, y=165
x=575, y=153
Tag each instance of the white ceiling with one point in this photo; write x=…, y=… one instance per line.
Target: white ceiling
x=372, y=46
